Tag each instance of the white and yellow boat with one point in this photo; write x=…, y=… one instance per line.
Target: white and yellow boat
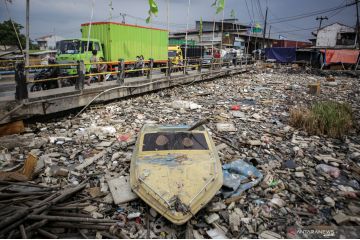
x=175, y=171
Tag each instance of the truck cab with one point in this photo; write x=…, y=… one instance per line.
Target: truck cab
x=175, y=55
x=73, y=50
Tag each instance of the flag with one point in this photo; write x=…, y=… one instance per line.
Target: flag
x=201, y=26
x=232, y=14
x=257, y=28
x=152, y=11
x=281, y=37
x=219, y=4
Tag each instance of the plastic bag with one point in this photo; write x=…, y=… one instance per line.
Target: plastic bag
x=235, y=173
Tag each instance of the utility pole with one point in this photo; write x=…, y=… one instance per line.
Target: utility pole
x=264, y=32
x=27, y=33
x=222, y=29
x=321, y=18
x=269, y=36
x=357, y=24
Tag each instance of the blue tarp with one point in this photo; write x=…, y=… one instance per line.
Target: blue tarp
x=283, y=55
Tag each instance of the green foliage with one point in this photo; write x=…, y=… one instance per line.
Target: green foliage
x=232, y=14
x=219, y=4
x=331, y=118
x=152, y=11
x=8, y=35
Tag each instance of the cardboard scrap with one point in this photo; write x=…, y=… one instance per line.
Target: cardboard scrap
x=12, y=128
x=23, y=174
x=121, y=190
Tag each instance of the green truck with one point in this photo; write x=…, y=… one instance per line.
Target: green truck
x=114, y=41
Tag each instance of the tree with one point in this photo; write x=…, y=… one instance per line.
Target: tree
x=8, y=35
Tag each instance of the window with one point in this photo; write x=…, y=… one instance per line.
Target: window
x=92, y=46
x=162, y=141
x=347, y=38
x=68, y=47
x=172, y=54
x=96, y=46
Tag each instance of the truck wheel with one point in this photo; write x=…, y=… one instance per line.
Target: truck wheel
x=36, y=87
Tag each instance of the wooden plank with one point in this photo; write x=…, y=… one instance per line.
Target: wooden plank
x=12, y=128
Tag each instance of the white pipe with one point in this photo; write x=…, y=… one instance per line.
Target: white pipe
x=222, y=27
x=212, y=41
x=167, y=14
x=92, y=14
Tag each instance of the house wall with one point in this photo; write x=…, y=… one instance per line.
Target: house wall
x=49, y=43
x=327, y=36
x=290, y=43
x=208, y=26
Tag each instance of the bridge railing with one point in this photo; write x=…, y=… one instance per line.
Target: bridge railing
x=55, y=75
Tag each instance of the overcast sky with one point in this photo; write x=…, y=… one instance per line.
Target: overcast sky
x=64, y=17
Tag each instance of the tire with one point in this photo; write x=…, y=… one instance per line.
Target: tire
x=36, y=87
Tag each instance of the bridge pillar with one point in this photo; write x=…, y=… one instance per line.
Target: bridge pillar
x=200, y=65
x=168, y=70
x=151, y=65
x=79, y=84
x=21, y=92
x=121, y=72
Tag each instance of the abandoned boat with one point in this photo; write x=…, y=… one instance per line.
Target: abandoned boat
x=175, y=170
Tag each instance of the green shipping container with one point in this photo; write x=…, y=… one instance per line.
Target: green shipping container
x=128, y=41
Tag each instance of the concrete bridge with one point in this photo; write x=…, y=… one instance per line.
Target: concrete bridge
x=66, y=98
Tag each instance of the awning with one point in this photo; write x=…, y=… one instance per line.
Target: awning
x=283, y=55
x=341, y=56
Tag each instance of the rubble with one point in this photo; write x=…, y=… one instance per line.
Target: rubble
x=80, y=179
x=120, y=190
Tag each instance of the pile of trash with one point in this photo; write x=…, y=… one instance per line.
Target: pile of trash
x=69, y=178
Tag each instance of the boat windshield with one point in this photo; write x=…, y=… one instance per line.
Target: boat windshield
x=162, y=141
x=68, y=47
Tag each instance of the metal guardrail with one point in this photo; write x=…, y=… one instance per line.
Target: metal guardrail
x=122, y=69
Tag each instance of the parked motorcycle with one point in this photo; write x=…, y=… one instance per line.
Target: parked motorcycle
x=51, y=72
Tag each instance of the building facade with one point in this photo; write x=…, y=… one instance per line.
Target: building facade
x=48, y=42
x=336, y=36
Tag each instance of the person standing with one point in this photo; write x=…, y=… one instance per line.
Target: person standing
x=103, y=69
x=93, y=66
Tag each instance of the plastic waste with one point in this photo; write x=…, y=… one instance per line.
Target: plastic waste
x=235, y=107
x=185, y=105
x=355, y=184
x=235, y=173
x=332, y=171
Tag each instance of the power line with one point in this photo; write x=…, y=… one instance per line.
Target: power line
x=260, y=10
x=285, y=23
x=248, y=10
x=310, y=14
x=321, y=19
x=303, y=29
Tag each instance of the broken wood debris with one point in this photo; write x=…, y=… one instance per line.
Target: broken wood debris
x=36, y=216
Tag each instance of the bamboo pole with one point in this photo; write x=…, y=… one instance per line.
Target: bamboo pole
x=70, y=219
